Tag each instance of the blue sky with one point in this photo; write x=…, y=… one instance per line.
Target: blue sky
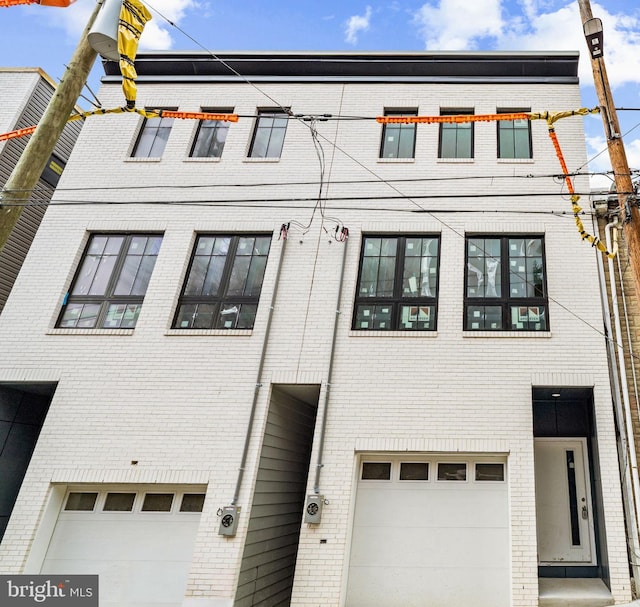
x=46, y=37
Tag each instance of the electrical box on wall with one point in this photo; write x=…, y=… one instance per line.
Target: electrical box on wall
x=313, y=509
x=229, y=520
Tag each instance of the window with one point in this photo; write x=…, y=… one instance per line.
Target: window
x=414, y=471
x=505, y=284
x=210, y=136
x=153, y=137
x=490, y=472
x=81, y=501
x=398, y=140
x=119, y=502
x=397, y=286
x=157, y=502
x=456, y=139
x=514, y=137
x=452, y=472
x=223, y=284
x=376, y=471
x=268, y=136
x=192, y=502
x=109, y=288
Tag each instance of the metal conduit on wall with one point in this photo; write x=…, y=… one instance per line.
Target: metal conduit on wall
x=631, y=482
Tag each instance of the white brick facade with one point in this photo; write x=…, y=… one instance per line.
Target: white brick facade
x=178, y=402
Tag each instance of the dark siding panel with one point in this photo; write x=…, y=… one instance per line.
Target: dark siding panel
x=268, y=563
x=17, y=247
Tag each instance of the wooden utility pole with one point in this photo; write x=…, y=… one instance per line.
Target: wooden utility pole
x=630, y=215
x=25, y=175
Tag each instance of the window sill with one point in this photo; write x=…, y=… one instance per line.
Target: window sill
x=396, y=160
x=527, y=334
x=456, y=160
x=202, y=159
x=413, y=334
x=250, y=160
x=58, y=331
x=142, y=159
x=516, y=161
x=208, y=332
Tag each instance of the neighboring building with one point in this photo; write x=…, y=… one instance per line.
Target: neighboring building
x=436, y=383
x=24, y=98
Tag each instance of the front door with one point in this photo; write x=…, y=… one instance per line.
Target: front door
x=563, y=502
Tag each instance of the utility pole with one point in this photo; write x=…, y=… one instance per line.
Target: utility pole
x=25, y=175
x=630, y=214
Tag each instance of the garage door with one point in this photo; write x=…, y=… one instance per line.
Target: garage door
x=139, y=543
x=430, y=531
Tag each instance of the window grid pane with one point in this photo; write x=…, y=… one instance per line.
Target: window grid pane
x=111, y=283
x=210, y=139
x=224, y=282
x=398, y=140
x=456, y=139
x=153, y=137
x=514, y=138
x=505, y=284
x=268, y=136
x=397, y=286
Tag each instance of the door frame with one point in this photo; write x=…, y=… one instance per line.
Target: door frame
x=588, y=481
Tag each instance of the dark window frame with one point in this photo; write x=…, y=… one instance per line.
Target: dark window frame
x=506, y=300
x=108, y=297
x=401, y=129
x=264, y=114
x=222, y=296
x=510, y=126
x=396, y=301
x=453, y=126
x=215, y=126
x=144, y=127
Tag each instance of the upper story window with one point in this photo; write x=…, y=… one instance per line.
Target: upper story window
x=398, y=284
x=268, y=135
x=456, y=138
x=223, y=284
x=398, y=140
x=505, y=286
x=211, y=136
x=152, y=138
x=110, y=285
x=514, y=137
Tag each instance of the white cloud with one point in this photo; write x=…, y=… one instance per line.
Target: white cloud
x=157, y=34
x=458, y=24
x=357, y=24
x=540, y=25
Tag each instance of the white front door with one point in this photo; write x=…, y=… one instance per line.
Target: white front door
x=563, y=502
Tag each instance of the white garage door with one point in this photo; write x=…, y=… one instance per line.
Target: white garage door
x=139, y=543
x=432, y=531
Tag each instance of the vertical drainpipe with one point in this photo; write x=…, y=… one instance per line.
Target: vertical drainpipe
x=631, y=484
x=252, y=415
x=325, y=409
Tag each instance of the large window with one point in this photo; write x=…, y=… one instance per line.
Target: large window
x=514, y=137
x=505, y=284
x=268, y=135
x=456, y=138
x=398, y=283
x=223, y=284
x=110, y=285
x=152, y=138
x=211, y=136
x=398, y=140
